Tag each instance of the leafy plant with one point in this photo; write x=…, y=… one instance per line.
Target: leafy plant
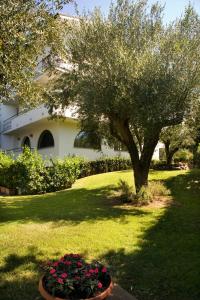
x=72, y=278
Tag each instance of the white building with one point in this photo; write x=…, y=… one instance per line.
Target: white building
x=52, y=138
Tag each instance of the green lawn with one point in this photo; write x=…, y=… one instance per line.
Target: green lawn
x=153, y=252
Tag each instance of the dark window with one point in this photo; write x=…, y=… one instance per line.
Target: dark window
x=88, y=140
x=45, y=140
x=26, y=142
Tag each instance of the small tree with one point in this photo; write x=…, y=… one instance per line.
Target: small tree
x=175, y=138
x=132, y=75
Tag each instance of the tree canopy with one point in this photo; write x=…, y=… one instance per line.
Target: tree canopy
x=27, y=29
x=132, y=75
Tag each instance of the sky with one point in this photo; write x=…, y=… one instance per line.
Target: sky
x=173, y=8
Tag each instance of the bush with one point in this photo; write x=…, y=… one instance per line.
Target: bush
x=5, y=162
x=197, y=159
x=183, y=155
x=63, y=173
x=104, y=165
x=27, y=173
x=30, y=174
x=155, y=189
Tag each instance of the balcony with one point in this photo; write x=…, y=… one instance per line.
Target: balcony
x=24, y=118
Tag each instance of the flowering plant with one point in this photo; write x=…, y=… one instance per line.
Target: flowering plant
x=72, y=278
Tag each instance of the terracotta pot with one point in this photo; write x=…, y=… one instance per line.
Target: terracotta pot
x=47, y=296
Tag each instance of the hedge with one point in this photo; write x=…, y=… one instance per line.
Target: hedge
x=30, y=174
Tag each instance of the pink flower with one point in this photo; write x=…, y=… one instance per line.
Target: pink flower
x=87, y=274
x=104, y=270
x=96, y=270
x=64, y=275
x=100, y=285
x=77, y=277
x=52, y=271
x=68, y=263
x=55, y=275
x=91, y=271
x=60, y=280
x=79, y=264
x=55, y=264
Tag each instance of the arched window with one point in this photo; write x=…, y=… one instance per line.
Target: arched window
x=45, y=140
x=26, y=142
x=88, y=140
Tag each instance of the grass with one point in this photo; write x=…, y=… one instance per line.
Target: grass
x=153, y=252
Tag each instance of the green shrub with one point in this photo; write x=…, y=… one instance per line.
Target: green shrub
x=104, y=165
x=5, y=162
x=183, y=155
x=197, y=159
x=155, y=189
x=63, y=173
x=27, y=173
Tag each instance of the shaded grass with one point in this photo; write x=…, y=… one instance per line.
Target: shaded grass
x=154, y=253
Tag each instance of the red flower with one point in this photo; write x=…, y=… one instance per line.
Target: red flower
x=76, y=256
x=68, y=262
x=55, y=275
x=87, y=274
x=96, y=270
x=64, y=275
x=104, y=270
x=77, y=278
x=100, y=285
x=52, y=271
x=79, y=264
x=60, y=280
x=91, y=271
x=55, y=264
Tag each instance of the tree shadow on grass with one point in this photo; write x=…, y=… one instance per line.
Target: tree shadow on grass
x=19, y=276
x=167, y=264
x=71, y=206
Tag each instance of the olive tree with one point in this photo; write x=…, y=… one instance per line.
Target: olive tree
x=176, y=137
x=27, y=29
x=131, y=76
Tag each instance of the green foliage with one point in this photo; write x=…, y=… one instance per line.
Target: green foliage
x=27, y=29
x=104, y=165
x=183, y=155
x=27, y=173
x=197, y=158
x=5, y=162
x=154, y=190
x=30, y=174
x=132, y=75
x=63, y=173
x=126, y=193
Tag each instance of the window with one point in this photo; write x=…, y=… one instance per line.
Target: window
x=26, y=142
x=88, y=140
x=45, y=140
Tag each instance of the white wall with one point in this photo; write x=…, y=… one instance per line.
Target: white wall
x=64, y=133
x=68, y=131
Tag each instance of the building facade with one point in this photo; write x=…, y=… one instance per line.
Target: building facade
x=52, y=138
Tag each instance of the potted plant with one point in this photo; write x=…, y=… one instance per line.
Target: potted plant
x=71, y=277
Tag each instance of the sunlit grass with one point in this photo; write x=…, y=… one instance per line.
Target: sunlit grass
x=85, y=220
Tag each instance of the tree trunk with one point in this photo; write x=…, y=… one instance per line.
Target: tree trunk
x=169, y=153
x=141, y=164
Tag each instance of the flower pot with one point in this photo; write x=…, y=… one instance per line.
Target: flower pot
x=47, y=296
